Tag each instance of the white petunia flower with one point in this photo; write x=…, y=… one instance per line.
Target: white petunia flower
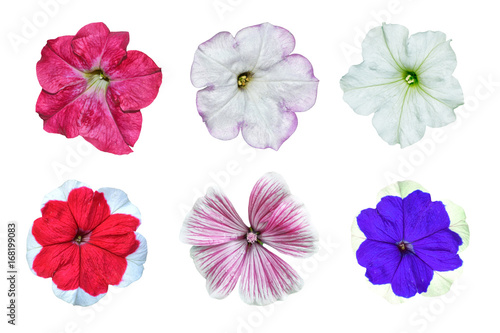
x=406, y=82
x=252, y=83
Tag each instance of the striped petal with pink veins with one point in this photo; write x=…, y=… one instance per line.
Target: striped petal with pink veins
x=289, y=230
x=213, y=221
x=226, y=250
x=266, y=278
x=221, y=265
x=266, y=195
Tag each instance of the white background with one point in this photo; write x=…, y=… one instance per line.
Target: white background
x=335, y=162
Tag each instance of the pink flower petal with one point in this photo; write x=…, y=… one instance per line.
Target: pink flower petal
x=59, y=67
x=289, y=230
x=135, y=83
x=98, y=47
x=60, y=111
x=221, y=265
x=89, y=114
x=212, y=221
x=266, y=196
x=266, y=278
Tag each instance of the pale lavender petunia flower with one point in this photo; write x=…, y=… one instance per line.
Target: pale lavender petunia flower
x=251, y=82
x=226, y=250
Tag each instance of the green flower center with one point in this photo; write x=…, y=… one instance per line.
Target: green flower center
x=97, y=80
x=411, y=78
x=243, y=79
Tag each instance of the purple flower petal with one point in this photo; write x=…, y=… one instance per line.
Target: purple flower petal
x=385, y=223
x=439, y=250
x=212, y=221
x=266, y=196
x=380, y=259
x=412, y=276
x=266, y=278
x=289, y=230
x=423, y=217
x=221, y=265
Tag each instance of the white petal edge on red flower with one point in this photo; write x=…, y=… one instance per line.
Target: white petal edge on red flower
x=77, y=296
x=441, y=281
x=62, y=192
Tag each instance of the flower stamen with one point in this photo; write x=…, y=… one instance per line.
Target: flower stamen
x=411, y=78
x=243, y=79
x=404, y=247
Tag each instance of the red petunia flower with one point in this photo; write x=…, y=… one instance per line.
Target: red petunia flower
x=85, y=241
x=93, y=87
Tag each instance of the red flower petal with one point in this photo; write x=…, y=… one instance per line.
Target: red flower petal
x=135, y=82
x=116, y=234
x=59, y=262
x=59, y=67
x=88, y=207
x=99, y=268
x=56, y=225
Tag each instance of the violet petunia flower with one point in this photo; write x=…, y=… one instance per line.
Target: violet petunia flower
x=410, y=244
x=251, y=82
x=226, y=250
x=93, y=87
x=86, y=240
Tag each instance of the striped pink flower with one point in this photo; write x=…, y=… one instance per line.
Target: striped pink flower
x=225, y=249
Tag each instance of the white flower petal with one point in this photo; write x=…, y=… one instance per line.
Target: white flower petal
x=430, y=52
x=379, y=84
x=119, y=203
x=62, y=192
x=32, y=250
x=266, y=124
x=400, y=189
x=442, y=281
x=135, y=263
x=77, y=296
x=222, y=109
x=290, y=82
x=458, y=223
x=385, y=47
x=404, y=117
x=217, y=61
x=263, y=45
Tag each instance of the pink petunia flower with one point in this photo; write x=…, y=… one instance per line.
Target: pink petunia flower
x=93, y=87
x=85, y=241
x=226, y=250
